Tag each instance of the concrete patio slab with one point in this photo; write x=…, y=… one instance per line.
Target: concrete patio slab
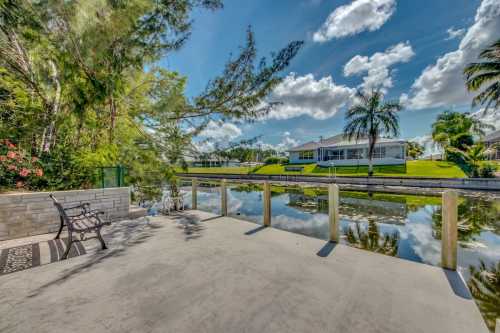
x=177, y=274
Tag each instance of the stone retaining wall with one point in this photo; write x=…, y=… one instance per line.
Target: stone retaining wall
x=27, y=214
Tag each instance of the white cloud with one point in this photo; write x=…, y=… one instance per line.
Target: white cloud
x=221, y=131
x=442, y=84
x=216, y=133
x=377, y=66
x=358, y=16
x=304, y=95
x=286, y=142
x=454, y=33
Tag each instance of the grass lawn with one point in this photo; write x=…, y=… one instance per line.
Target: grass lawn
x=432, y=169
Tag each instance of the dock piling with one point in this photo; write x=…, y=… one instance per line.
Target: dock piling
x=333, y=211
x=267, y=204
x=223, y=197
x=449, y=230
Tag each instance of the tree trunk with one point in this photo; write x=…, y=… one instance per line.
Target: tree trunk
x=112, y=109
x=371, y=146
x=49, y=132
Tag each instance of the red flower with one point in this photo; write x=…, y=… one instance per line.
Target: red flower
x=3, y=158
x=34, y=159
x=11, y=154
x=19, y=184
x=39, y=172
x=9, y=144
x=24, y=172
x=11, y=167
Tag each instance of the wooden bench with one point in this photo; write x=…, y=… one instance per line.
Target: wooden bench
x=294, y=168
x=86, y=220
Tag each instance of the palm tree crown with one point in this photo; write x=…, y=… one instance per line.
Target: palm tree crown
x=480, y=74
x=371, y=118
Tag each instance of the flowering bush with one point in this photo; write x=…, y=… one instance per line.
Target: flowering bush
x=17, y=169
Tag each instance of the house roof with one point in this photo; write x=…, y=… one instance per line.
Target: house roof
x=340, y=141
x=306, y=146
x=493, y=136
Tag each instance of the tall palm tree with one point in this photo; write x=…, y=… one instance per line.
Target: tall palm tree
x=371, y=118
x=485, y=73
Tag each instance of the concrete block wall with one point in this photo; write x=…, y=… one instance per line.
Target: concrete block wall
x=27, y=214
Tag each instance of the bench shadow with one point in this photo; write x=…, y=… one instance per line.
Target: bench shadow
x=326, y=249
x=256, y=230
x=457, y=284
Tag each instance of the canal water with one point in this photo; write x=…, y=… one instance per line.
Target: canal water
x=405, y=226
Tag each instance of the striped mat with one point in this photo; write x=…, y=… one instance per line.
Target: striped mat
x=32, y=255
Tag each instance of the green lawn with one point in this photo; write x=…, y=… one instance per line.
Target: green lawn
x=433, y=169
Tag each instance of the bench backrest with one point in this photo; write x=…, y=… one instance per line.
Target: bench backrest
x=62, y=213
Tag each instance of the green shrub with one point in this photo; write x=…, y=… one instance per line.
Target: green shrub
x=276, y=160
x=487, y=170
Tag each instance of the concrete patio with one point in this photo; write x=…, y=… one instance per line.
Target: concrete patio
x=177, y=274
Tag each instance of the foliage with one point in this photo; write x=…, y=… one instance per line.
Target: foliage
x=455, y=131
x=472, y=155
x=414, y=149
x=484, y=285
x=485, y=77
x=79, y=86
x=275, y=160
x=370, y=119
x=17, y=168
x=487, y=170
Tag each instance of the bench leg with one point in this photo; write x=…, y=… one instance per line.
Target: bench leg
x=68, y=246
x=103, y=244
x=60, y=228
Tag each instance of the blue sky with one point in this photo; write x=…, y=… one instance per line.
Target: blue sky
x=414, y=50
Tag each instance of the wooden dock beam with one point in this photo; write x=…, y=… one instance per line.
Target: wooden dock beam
x=194, y=191
x=267, y=204
x=223, y=198
x=449, y=230
x=333, y=212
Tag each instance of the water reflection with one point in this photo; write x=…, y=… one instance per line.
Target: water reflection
x=406, y=226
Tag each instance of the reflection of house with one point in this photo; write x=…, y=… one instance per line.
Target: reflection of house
x=339, y=151
x=355, y=209
x=492, y=141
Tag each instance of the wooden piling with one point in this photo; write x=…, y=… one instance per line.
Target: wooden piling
x=449, y=230
x=267, y=204
x=333, y=212
x=194, y=191
x=223, y=198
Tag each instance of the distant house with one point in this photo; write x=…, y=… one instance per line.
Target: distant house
x=492, y=141
x=340, y=151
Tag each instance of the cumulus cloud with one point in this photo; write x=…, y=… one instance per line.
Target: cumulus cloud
x=454, y=33
x=304, y=95
x=286, y=143
x=377, y=66
x=358, y=16
x=217, y=133
x=442, y=84
x=221, y=131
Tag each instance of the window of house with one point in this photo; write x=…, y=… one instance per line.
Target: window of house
x=354, y=154
x=335, y=155
x=306, y=155
x=379, y=152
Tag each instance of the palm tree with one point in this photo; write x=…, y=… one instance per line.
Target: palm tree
x=487, y=72
x=371, y=118
x=472, y=155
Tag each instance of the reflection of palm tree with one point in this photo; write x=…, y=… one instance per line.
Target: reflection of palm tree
x=484, y=285
x=474, y=216
x=372, y=239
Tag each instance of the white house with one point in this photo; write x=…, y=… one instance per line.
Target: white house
x=339, y=151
